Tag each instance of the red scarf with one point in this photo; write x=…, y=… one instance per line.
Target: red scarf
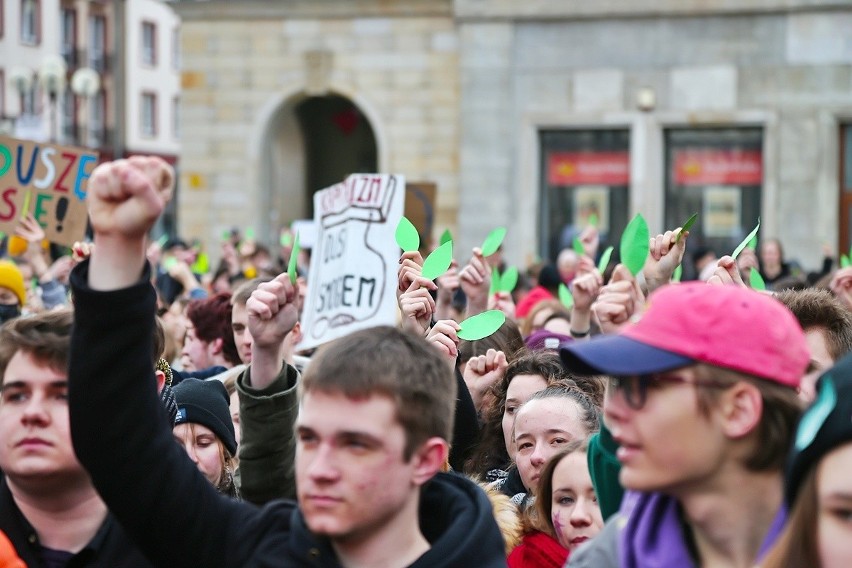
x=538, y=550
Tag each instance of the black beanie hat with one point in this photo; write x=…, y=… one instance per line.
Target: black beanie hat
x=824, y=426
x=206, y=403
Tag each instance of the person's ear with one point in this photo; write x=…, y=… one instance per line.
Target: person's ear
x=161, y=380
x=215, y=346
x=429, y=459
x=296, y=333
x=741, y=408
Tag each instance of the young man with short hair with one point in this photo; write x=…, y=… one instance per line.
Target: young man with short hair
x=369, y=447
x=703, y=405
x=48, y=507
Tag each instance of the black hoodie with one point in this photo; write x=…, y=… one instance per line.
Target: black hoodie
x=166, y=505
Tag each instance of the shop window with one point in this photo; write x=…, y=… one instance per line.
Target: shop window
x=584, y=173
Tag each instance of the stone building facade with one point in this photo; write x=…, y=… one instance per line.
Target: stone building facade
x=533, y=114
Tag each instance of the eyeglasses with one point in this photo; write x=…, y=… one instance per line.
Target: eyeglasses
x=635, y=387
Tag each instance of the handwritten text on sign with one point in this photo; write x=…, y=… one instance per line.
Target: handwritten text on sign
x=55, y=177
x=354, y=262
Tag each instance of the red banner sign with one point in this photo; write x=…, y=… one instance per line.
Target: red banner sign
x=578, y=168
x=718, y=167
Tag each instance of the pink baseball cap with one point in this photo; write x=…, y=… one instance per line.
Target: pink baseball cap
x=723, y=326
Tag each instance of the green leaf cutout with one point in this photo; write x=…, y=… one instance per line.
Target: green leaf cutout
x=844, y=261
x=439, y=261
x=481, y=325
x=250, y=234
x=226, y=235
x=686, y=226
x=286, y=239
x=169, y=263
x=445, y=237
x=565, y=296
x=635, y=244
x=604, y=261
x=406, y=235
x=593, y=220
x=746, y=240
x=493, y=241
x=578, y=247
x=162, y=241
x=495, y=282
x=291, y=265
x=508, y=280
x=815, y=416
x=756, y=280
x=678, y=273
x=752, y=244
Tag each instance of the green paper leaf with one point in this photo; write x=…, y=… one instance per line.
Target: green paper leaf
x=844, y=261
x=565, y=296
x=686, y=226
x=291, y=264
x=226, y=235
x=406, y=235
x=593, y=220
x=286, y=239
x=169, y=263
x=604, y=261
x=495, y=282
x=481, y=325
x=493, y=241
x=162, y=240
x=439, y=261
x=250, y=234
x=508, y=280
x=26, y=208
x=578, y=247
x=678, y=273
x=635, y=244
x=815, y=416
x=445, y=237
x=752, y=244
x=746, y=240
x=756, y=280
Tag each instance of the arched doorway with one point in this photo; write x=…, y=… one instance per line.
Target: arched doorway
x=309, y=143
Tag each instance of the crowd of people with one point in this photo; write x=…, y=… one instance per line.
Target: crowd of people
x=155, y=412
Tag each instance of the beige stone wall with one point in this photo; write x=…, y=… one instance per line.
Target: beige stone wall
x=404, y=70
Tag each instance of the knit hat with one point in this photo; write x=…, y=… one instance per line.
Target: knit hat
x=545, y=339
x=206, y=403
x=724, y=326
x=11, y=278
x=824, y=426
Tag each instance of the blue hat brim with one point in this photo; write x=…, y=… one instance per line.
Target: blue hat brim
x=618, y=356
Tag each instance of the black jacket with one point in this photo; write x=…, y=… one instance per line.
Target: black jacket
x=166, y=505
x=109, y=547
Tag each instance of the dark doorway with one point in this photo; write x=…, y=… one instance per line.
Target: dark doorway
x=338, y=141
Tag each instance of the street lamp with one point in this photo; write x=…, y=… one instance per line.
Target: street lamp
x=85, y=83
x=51, y=77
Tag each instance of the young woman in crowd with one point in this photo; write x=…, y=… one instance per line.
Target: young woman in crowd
x=818, y=489
x=204, y=429
x=566, y=512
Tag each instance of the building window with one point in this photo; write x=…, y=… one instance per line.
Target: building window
x=717, y=173
x=69, y=117
x=30, y=22
x=149, y=44
x=148, y=125
x=2, y=87
x=175, y=48
x=97, y=43
x=29, y=101
x=176, y=117
x=69, y=36
x=584, y=173
x=96, y=128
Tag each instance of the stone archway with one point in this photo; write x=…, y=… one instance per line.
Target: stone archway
x=306, y=143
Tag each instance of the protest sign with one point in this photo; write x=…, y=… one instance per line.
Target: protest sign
x=352, y=280
x=48, y=181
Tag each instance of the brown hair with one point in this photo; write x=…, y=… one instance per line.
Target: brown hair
x=797, y=545
x=491, y=452
x=211, y=319
x=589, y=413
x=226, y=483
x=820, y=309
x=245, y=290
x=555, y=305
x=387, y=361
x=46, y=337
x=782, y=408
x=507, y=339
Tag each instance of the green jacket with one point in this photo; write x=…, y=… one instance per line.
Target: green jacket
x=604, y=468
x=268, y=444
